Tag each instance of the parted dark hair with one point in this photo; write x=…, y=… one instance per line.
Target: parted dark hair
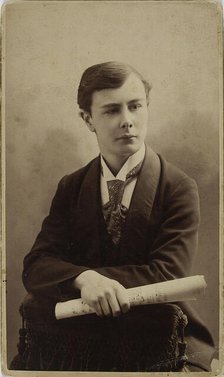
x=109, y=75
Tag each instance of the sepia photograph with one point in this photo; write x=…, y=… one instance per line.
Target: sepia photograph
x=112, y=116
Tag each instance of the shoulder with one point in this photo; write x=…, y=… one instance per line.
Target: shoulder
x=175, y=187
x=73, y=181
x=170, y=176
x=173, y=177
x=177, y=191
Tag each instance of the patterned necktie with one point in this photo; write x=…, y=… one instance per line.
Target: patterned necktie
x=114, y=211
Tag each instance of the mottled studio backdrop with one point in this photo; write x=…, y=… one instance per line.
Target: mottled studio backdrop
x=47, y=47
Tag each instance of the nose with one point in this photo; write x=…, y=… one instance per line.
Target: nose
x=126, y=121
x=126, y=124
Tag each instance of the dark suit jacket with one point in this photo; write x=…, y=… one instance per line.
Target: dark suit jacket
x=158, y=243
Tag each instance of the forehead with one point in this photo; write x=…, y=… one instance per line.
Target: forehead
x=132, y=89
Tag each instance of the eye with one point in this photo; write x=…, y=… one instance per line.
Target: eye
x=112, y=111
x=135, y=106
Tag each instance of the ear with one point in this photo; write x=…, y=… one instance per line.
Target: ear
x=87, y=119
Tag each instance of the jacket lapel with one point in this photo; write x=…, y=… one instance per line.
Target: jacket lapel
x=136, y=228
x=87, y=216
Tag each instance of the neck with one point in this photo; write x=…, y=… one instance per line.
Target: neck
x=114, y=163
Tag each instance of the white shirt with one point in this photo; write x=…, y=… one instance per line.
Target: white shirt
x=107, y=175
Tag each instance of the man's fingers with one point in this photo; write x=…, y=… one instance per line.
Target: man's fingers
x=98, y=309
x=115, y=307
x=122, y=298
x=105, y=306
x=105, y=296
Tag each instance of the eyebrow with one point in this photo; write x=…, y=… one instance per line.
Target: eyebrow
x=108, y=105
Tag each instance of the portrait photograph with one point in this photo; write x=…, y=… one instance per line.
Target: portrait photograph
x=112, y=174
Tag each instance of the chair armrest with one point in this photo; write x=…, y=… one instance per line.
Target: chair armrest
x=147, y=338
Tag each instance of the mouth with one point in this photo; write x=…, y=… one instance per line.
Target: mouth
x=126, y=137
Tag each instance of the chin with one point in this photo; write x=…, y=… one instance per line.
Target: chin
x=128, y=150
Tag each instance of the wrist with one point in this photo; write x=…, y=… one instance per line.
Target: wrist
x=84, y=278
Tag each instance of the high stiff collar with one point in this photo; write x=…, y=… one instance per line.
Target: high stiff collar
x=131, y=162
x=136, y=226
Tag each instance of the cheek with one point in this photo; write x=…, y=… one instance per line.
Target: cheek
x=110, y=126
x=105, y=130
x=142, y=120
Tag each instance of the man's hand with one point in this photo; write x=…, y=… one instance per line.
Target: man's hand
x=105, y=296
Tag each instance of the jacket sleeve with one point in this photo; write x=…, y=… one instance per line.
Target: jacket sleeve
x=47, y=266
x=172, y=252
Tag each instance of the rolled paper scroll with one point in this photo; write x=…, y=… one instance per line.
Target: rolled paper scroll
x=185, y=289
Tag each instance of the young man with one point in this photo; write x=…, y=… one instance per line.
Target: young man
x=126, y=219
